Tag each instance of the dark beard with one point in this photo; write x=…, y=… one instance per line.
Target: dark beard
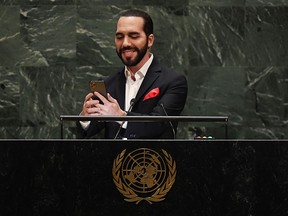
x=140, y=54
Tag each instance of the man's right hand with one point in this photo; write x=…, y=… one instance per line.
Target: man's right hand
x=90, y=106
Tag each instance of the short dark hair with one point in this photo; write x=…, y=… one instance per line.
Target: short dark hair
x=148, y=23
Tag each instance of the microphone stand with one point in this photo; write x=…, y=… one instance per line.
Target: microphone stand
x=129, y=110
x=171, y=125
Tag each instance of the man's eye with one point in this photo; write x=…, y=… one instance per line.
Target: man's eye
x=119, y=36
x=134, y=36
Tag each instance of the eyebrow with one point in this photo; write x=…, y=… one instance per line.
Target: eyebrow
x=129, y=33
x=133, y=33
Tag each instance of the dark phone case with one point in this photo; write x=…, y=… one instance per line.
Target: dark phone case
x=98, y=86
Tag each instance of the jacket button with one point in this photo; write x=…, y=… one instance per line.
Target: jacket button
x=132, y=135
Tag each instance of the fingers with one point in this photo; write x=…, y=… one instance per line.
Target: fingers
x=111, y=99
x=104, y=100
x=101, y=97
x=88, y=97
x=92, y=110
x=90, y=105
x=110, y=105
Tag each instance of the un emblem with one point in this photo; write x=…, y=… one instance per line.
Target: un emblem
x=144, y=174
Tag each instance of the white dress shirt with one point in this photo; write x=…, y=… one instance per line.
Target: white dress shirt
x=133, y=83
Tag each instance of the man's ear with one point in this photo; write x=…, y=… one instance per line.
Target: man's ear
x=150, y=40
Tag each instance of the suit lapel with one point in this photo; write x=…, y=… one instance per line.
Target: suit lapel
x=150, y=77
x=120, y=89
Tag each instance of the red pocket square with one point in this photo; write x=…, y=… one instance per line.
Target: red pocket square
x=151, y=94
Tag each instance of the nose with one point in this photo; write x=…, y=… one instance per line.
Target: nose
x=126, y=42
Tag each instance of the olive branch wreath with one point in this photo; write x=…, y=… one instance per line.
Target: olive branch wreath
x=130, y=195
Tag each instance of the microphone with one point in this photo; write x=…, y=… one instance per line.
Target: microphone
x=132, y=102
x=171, y=125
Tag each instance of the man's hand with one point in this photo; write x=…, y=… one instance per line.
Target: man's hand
x=90, y=106
x=109, y=107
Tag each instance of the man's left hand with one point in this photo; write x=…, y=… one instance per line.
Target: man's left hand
x=109, y=107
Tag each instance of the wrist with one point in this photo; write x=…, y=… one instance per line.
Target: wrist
x=124, y=113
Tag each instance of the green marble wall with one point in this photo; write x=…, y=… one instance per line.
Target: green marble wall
x=233, y=52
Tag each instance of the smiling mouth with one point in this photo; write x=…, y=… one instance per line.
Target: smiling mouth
x=128, y=53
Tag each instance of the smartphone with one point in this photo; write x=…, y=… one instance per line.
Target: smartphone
x=98, y=86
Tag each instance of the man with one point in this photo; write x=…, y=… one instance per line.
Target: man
x=152, y=88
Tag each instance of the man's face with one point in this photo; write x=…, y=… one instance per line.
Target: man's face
x=131, y=41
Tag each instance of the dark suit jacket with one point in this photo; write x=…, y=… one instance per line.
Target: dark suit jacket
x=173, y=94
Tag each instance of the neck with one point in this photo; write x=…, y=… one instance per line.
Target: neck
x=134, y=69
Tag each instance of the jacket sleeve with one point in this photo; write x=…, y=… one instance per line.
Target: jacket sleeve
x=93, y=129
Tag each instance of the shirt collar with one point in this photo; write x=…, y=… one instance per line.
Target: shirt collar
x=142, y=71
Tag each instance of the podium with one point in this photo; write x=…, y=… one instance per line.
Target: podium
x=81, y=177
x=218, y=119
